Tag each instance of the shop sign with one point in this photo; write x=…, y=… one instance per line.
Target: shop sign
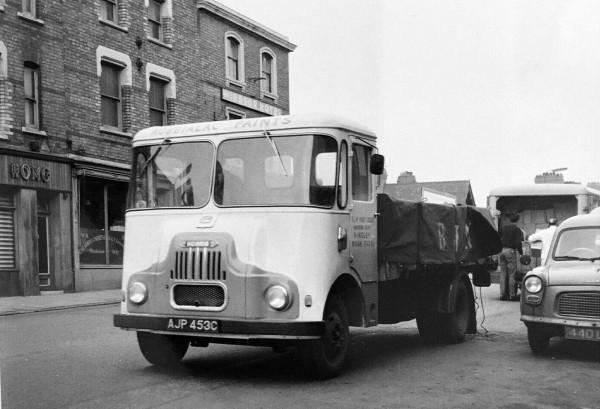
x=27, y=172
x=248, y=102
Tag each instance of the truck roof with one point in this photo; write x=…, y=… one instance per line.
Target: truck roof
x=269, y=123
x=544, y=189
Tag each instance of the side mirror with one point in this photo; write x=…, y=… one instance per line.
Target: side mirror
x=377, y=162
x=525, y=259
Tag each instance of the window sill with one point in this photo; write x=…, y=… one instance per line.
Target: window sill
x=113, y=25
x=31, y=18
x=33, y=131
x=115, y=131
x=269, y=96
x=236, y=84
x=158, y=42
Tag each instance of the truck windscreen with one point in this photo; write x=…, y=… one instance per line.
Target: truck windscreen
x=175, y=175
x=296, y=170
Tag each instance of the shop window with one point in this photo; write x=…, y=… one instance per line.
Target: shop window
x=31, y=89
x=101, y=221
x=108, y=10
x=158, y=102
x=361, y=176
x=110, y=92
x=7, y=232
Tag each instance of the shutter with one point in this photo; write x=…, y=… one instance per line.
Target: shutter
x=7, y=233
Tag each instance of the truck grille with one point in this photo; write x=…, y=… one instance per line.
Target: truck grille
x=198, y=264
x=199, y=295
x=585, y=305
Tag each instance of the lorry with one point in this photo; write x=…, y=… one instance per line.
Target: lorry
x=536, y=204
x=270, y=232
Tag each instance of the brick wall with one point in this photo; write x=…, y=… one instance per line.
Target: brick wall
x=65, y=45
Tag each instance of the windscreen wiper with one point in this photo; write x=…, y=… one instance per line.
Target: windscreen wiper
x=154, y=155
x=272, y=142
x=569, y=258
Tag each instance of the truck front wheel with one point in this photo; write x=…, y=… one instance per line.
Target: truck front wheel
x=539, y=340
x=162, y=350
x=324, y=358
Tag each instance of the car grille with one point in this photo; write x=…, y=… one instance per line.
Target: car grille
x=585, y=305
x=198, y=264
x=199, y=295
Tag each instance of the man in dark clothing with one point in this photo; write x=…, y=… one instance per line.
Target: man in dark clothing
x=512, y=238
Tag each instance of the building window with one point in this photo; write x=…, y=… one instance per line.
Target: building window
x=268, y=72
x=109, y=10
x=234, y=114
x=101, y=221
x=155, y=20
x=158, y=102
x=110, y=92
x=234, y=52
x=29, y=8
x=31, y=88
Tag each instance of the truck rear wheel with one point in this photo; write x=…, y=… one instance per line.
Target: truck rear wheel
x=456, y=324
x=436, y=327
x=162, y=350
x=324, y=358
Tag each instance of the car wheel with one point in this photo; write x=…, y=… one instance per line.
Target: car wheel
x=539, y=341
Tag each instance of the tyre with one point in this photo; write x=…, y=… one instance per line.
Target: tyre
x=539, y=341
x=324, y=358
x=162, y=350
x=456, y=324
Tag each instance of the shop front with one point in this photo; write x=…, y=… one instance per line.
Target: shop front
x=35, y=224
x=99, y=213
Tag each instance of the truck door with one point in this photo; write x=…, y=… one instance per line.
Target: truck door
x=363, y=225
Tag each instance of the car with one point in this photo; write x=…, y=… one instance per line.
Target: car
x=562, y=297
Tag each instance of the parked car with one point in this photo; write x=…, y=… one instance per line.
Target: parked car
x=562, y=297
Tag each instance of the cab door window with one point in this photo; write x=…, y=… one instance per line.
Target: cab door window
x=361, y=177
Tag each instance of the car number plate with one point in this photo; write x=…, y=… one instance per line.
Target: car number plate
x=193, y=325
x=588, y=334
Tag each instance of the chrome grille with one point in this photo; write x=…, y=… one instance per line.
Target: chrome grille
x=586, y=305
x=199, y=295
x=198, y=264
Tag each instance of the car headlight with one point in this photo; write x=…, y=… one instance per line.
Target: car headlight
x=137, y=292
x=278, y=297
x=533, y=284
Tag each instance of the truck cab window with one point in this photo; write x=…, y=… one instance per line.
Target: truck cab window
x=361, y=177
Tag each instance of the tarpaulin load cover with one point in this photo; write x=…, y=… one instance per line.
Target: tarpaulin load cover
x=425, y=233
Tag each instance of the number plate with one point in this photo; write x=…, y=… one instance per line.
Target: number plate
x=193, y=325
x=588, y=334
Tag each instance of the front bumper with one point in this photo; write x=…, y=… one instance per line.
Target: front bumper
x=234, y=329
x=559, y=321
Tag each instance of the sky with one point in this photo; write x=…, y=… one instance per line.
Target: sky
x=494, y=92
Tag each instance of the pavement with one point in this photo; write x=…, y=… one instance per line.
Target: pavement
x=57, y=301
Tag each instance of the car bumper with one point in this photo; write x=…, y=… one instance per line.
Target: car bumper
x=234, y=329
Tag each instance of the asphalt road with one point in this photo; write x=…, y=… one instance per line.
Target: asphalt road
x=76, y=359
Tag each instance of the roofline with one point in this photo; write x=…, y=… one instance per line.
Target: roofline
x=242, y=21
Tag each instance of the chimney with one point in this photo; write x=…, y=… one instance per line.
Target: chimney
x=406, y=178
x=549, y=177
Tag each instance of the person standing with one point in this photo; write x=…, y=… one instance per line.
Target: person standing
x=512, y=238
x=545, y=236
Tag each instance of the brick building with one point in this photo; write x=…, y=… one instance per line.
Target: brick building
x=77, y=79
